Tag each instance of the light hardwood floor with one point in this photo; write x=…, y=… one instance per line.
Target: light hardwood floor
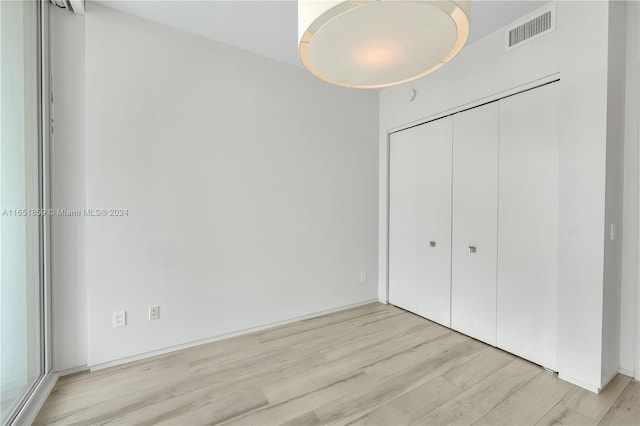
x=373, y=364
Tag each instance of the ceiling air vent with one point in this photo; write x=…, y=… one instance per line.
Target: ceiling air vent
x=533, y=26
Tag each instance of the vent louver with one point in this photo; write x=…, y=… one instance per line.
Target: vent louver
x=530, y=28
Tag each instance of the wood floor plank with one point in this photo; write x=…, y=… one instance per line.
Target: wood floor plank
x=477, y=368
x=193, y=386
x=115, y=380
x=213, y=409
x=412, y=405
x=481, y=398
x=320, y=375
x=345, y=409
x=529, y=404
x=387, y=387
x=304, y=420
x=563, y=415
x=417, y=335
x=432, y=356
x=581, y=406
x=276, y=414
x=77, y=407
x=373, y=364
x=595, y=406
x=307, y=341
x=278, y=367
x=153, y=394
x=113, y=377
x=626, y=410
x=323, y=321
x=315, y=377
x=198, y=387
x=161, y=409
x=377, y=317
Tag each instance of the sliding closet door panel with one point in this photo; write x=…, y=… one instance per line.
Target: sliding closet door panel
x=434, y=221
x=475, y=222
x=528, y=225
x=403, y=190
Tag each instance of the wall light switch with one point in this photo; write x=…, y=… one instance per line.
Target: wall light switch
x=120, y=319
x=612, y=233
x=363, y=277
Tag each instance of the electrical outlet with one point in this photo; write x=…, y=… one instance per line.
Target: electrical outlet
x=120, y=319
x=154, y=312
x=363, y=277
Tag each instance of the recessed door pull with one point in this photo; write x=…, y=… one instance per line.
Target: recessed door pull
x=432, y=243
x=472, y=249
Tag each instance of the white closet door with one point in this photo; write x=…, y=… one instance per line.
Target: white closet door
x=475, y=222
x=528, y=225
x=433, y=297
x=403, y=191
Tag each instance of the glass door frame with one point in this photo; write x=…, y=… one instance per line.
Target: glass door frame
x=26, y=412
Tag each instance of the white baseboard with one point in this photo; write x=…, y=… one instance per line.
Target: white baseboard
x=626, y=372
x=74, y=370
x=606, y=382
x=578, y=382
x=31, y=408
x=138, y=357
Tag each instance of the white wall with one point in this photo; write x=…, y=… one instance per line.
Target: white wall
x=251, y=188
x=614, y=184
x=629, y=330
x=577, y=50
x=68, y=189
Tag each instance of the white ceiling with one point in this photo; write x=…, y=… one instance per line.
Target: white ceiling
x=269, y=28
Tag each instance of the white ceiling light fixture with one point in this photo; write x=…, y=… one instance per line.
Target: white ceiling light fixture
x=379, y=43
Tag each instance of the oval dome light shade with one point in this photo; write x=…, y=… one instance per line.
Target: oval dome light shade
x=371, y=44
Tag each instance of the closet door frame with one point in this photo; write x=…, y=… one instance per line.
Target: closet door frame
x=383, y=241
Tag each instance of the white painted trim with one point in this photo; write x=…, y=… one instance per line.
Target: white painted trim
x=32, y=406
x=73, y=370
x=41, y=389
x=490, y=98
x=223, y=336
x=578, y=382
x=637, y=333
x=384, y=302
x=626, y=372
